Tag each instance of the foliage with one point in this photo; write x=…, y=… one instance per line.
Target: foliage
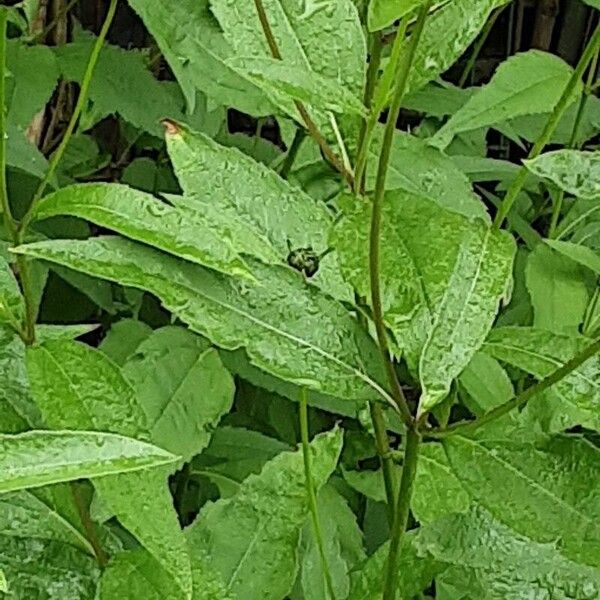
x=353, y=355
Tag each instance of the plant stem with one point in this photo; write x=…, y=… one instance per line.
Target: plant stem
x=292, y=153
x=409, y=471
x=573, y=143
x=388, y=467
x=520, y=399
x=479, y=45
x=381, y=95
x=310, y=491
x=370, y=85
x=376, y=217
x=551, y=124
x=9, y=222
x=88, y=525
x=81, y=101
x=311, y=126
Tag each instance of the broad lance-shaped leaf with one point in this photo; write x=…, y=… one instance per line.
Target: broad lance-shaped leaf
x=573, y=171
x=120, y=78
x=12, y=305
x=79, y=387
x=193, y=45
x=415, y=573
x=466, y=314
x=384, y=13
x=135, y=574
x=27, y=515
x=575, y=399
x=183, y=388
x=289, y=329
x=525, y=84
x=439, y=301
x=142, y=217
x=420, y=169
x=437, y=491
x=267, y=514
x=447, y=34
x=342, y=540
x=547, y=490
x=485, y=559
x=325, y=38
x=263, y=211
x=38, y=458
x=300, y=84
x=559, y=290
x=581, y=254
x=47, y=569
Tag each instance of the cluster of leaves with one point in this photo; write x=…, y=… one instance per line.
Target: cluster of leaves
x=223, y=283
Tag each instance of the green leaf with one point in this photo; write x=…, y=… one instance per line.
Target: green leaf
x=302, y=84
x=38, y=458
x=546, y=491
x=304, y=34
x=343, y=547
x=267, y=514
x=437, y=491
x=593, y=3
x=486, y=382
x=47, y=569
x=383, y=13
x=573, y=171
x=123, y=339
x=489, y=560
x=12, y=304
x=447, y=34
x=420, y=169
x=558, y=290
x=288, y=328
x=527, y=83
x=574, y=399
x=438, y=310
x=120, y=79
x=414, y=575
x=233, y=454
x=466, y=313
x=194, y=46
x=183, y=388
x=141, y=217
x=263, y=212
x=3, y=582
x=79, y=387
x=14, y=391
x=25, y=515
x=76, y=385
x=135, y=574
x=34, y=76
x=23, y=155
x=578, y=253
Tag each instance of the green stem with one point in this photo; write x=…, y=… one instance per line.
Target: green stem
x=81, y=102
x=311, y=126
x=292, y=153
x=551, y=124
x=376, y=216
x=388, y=467
x=88, y=525
x=409, y=471
x=8, y=218
x=479, y=45
x=310, y=491
x=375, y=52
x=573, y=143
x=380, y=98
x=521, y=399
